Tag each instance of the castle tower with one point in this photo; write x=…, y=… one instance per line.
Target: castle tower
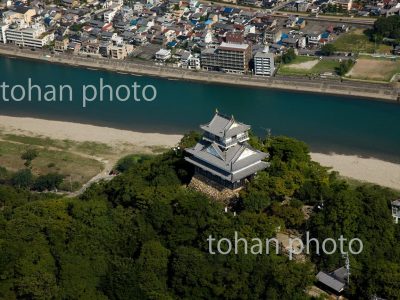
x=223, y=155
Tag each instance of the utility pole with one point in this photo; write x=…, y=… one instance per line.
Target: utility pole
x=347, y=265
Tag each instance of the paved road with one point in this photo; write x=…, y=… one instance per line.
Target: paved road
x=332, y=19
x=320, y=18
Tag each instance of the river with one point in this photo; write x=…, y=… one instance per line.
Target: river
x=327, y=123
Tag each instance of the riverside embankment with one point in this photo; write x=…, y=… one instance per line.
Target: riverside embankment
x=379, y=91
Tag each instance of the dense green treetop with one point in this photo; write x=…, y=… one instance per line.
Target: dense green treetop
x=143, y=235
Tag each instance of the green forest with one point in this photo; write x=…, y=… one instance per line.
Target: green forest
x=143, y=235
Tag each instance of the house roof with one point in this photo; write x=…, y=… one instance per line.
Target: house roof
x=224, y=126
x=330, y=282
x=396, y=202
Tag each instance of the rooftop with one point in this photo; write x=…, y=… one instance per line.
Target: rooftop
x=233, y=164
x=396, y=202
x=331, y=282
x=224, y=126
x=234, y=47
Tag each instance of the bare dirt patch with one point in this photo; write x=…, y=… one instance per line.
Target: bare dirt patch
x=374, y=69
x=307, y=65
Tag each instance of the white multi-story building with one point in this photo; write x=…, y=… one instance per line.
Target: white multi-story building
x=3, y=28
x=264, y=64
x=34, y=36
x=396, y=211
x=109, y=15
x=193, y=63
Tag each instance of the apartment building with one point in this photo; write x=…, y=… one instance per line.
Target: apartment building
x=18, y=15
x=121, y=51
x=109, y=15
x=344, y=4
x=264, y=64
x=272, y=35
x=34, y=36
x=3, y=28
x=228, y=57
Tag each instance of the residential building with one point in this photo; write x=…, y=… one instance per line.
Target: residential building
x=314, y=38
x=90, y=49
x=334, y=281
x=344, y=4
x=396, y=211
x=234, y=57
x=193, y=63
x=290, y=42
x=264, y=64
x=228, y=57
x=35, y=36
x=302, y=43
x=223, y=155
x=139, y=39
x=109, y=15
x=302, y=5
x=20, y=12
x=273, y=35
x=61, y=44
x=105, y=48
x=120, y=51
x=163, y=55
x=3, y=28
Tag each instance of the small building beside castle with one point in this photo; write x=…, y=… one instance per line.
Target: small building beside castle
x=396, y=211
x=223, y=154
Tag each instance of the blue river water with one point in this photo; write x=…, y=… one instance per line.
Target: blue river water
x=327, y=123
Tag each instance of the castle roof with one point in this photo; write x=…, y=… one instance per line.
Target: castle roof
x=235, y=163
x=224, y=126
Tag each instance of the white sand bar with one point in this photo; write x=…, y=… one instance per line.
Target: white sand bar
x=82, y=132
x=364, y=169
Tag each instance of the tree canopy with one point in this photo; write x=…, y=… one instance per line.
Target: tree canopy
x=143, y=235
x=388, y=27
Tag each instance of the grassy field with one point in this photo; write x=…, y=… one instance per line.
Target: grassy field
x=305, y=65
x=89, y=148
x=78, y=161
x=357, y=41
x=77, y=169
x=376, y=69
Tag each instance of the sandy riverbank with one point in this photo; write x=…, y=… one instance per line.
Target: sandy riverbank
x=363, y=169
x=83, y=132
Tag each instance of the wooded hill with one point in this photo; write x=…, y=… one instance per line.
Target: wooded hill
x=143, y=235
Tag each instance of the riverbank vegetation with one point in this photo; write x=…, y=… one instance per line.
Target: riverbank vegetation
x=143, y=235
x=386, y=27
x=344, y=67
x=358, y=41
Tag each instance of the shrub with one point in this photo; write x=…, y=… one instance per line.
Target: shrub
x=22, y=179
